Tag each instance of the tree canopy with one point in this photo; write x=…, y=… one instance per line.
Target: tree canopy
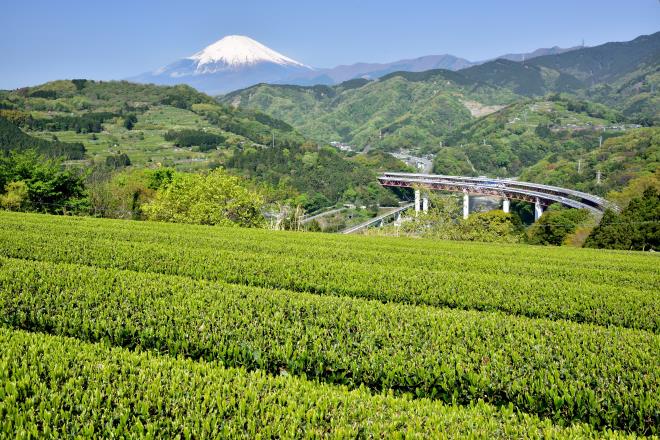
x=636, y=228
x=216, y=198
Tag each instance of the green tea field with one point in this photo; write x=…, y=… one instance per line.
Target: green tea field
x=157, y=330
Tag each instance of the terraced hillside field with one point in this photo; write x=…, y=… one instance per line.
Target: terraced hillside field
x=110, y=327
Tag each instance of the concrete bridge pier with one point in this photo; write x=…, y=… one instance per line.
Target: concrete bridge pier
x=425, y=203
x=417, y=200
x=506, y=205
x=538, y=209
x=466, y=205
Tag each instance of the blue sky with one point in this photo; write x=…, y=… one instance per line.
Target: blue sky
x=45, y=40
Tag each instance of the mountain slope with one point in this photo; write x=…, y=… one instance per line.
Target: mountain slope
x=633, y=155
x=554, y=50
x=182, y=128
x=233, y=62
x=606, y=62
x=505, y=143
x=400, y=110
x=416, y=109
x=573, y=71
x=344, y=73
x=13, y=139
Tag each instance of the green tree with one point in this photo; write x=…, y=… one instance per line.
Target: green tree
x=636, y=228
x=555, y=225
x=50, y=187
x=492, y=226
x=15, y=197
x=216, y=198
x=130, y=121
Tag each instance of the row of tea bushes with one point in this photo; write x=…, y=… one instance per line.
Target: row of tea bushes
x=54, y=387
x=607, y=377
x=550, y=296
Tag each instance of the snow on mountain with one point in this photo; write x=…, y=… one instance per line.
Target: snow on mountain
x=231, y=63
x=238, y=50
x=236, y=61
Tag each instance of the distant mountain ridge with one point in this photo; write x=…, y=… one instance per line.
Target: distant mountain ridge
x=235, y=62
x=343, y=73
x=417, y=109
x=555, y=50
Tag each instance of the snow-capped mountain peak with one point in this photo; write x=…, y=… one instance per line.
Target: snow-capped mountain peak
x=238, y=50
x=231, y=63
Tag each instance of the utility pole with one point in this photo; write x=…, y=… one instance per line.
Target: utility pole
x=579, y=166
x=600, y=141
x=273, y=139
x=598, y=177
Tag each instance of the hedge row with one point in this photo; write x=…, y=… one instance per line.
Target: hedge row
x=59, y=387
x=355, y=248
x=607, y=377
x=550, y=296
x=641, y=274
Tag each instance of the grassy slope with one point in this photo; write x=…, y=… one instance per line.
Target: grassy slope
x=158, y=110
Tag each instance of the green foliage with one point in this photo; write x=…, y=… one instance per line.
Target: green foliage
x=13, y=139
x=34, y=183
x=129, y=121
x=118, y=161
x=443, y=221
x=599, y=288
x=636, y=228
x=162, y=116
x=188, y=138
x=121, y=194
x=160, y=397
x=544, y=367
x=323, y=174
x=400, y=110
x=160, y=177
x=213, y=199
x=493, y=227
x=533, y=133
x=85, y=123
x=555, y=225
x=15, y=196
x=632, y=155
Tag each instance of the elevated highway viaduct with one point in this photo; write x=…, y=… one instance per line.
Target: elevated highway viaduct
x=507, y=189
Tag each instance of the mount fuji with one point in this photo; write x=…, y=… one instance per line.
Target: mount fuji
x=237, y=62
x=231, y=63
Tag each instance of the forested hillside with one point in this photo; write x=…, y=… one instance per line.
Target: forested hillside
x=13, y=139
x=518, y=136
x=153, y=126
x=411, y=110
x=400, y=110
x=631, y=158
